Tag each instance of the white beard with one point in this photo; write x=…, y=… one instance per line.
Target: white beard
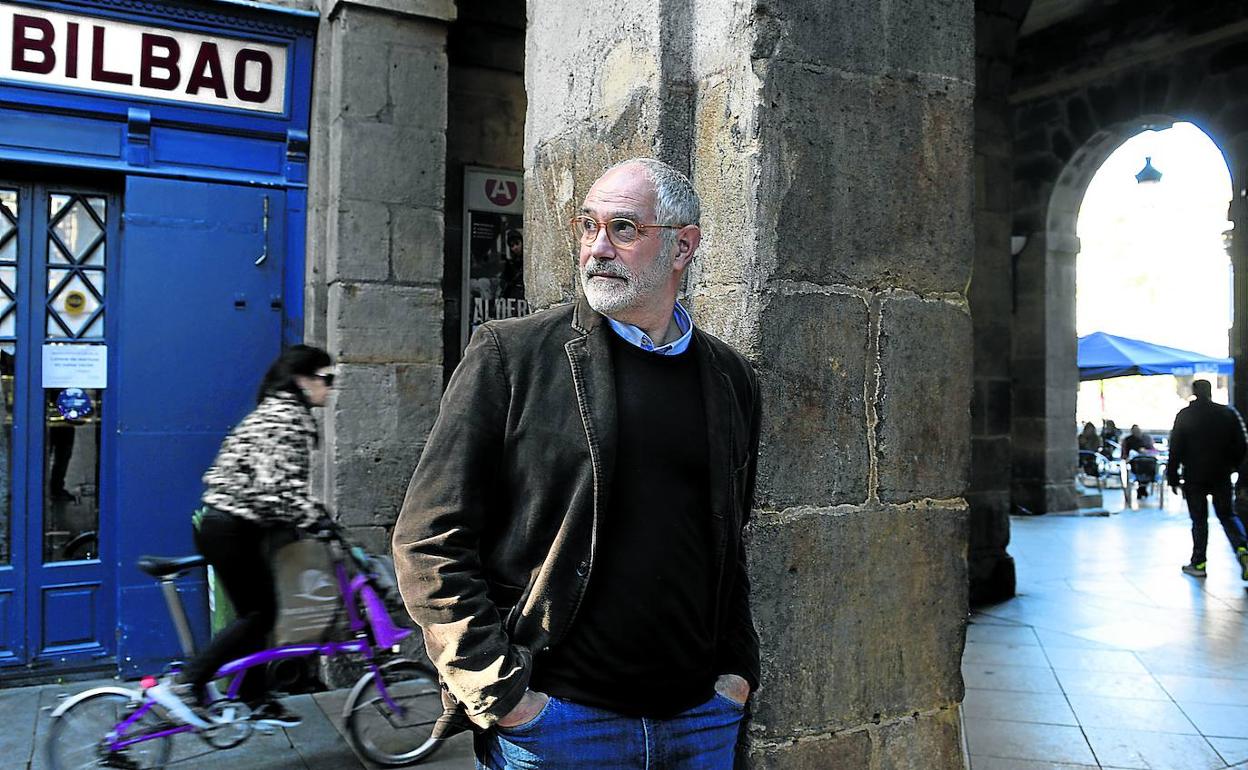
x=611, y=296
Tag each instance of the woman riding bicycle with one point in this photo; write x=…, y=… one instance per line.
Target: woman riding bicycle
x=257, y=484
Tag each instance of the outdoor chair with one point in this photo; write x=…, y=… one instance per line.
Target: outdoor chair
x=1097, y=466
x=1130, y=482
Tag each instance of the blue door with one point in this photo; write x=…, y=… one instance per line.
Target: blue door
x=58, y=266
x=201, y=318
x=175, y=288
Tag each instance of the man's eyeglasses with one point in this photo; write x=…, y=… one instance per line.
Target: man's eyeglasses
x=327, y=378
x=622, y=232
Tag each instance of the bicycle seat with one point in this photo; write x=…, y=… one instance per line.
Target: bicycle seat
x=164, y=566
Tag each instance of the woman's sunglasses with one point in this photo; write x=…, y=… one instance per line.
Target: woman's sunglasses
x=327, y=378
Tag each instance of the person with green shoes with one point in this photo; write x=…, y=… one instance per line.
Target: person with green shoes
x=1207, y=444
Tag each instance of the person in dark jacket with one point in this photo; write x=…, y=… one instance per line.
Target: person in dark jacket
x=1144, y=463
x=1207, y=444
x=1089, y=445
x=571, y=541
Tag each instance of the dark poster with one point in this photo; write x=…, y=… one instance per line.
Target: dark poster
x=493, y=247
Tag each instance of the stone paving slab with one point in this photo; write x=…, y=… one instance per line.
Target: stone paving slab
x=1137, y=666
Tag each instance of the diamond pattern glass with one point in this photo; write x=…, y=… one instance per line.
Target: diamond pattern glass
x=8, y=362
x=76, y=261
x=78, y=231
x=8, y=268
x=8, y=225
x=74, y=305
x=8, y=214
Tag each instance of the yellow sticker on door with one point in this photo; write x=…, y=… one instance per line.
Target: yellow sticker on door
x=75, y=302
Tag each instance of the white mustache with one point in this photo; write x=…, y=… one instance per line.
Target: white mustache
x=606, y=268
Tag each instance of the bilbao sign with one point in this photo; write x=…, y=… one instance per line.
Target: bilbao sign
x=85, y=52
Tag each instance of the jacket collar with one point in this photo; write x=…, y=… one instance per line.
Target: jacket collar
x=584, y=318
x=594, y=380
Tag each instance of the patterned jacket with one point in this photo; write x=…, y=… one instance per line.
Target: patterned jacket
x=261, y=470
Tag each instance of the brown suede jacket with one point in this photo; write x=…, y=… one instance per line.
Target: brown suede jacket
x=496, y=540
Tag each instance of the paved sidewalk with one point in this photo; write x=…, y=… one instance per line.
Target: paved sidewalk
x=317, y=744
x=1110, y=657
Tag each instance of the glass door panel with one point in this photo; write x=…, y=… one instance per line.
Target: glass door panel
x=76, y=264
x=71, y=497
x=9, y=211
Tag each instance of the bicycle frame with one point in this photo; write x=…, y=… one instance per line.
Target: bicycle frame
x=385, y=635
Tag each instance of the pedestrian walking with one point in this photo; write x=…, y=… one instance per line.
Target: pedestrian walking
x=1207, y=444
x=571, y=541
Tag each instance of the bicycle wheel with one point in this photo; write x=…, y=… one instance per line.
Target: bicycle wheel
x=398, y=734
x=79, y=737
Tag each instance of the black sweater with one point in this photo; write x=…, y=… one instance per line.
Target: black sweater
x=643, y=640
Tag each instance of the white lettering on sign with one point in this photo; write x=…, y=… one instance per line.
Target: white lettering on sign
x=60, y=49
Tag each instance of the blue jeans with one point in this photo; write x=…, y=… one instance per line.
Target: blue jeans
x=566, y=735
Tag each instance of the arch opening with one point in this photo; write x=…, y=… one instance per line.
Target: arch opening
x=1153, y=265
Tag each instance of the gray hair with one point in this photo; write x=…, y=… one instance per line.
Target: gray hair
x=675, y=200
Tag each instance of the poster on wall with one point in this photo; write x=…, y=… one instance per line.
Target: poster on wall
x=493, y=248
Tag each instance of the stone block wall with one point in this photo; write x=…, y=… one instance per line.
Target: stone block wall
x=832, y=144
x=375, y=246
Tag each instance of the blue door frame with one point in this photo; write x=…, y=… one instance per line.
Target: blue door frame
x=168, y=165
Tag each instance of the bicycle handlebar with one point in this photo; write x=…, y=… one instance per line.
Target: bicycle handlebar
x=330, y=531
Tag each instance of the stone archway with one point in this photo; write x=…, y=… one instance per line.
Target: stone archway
x=1049, y=109
x=1067, y=117
x=1045, y=375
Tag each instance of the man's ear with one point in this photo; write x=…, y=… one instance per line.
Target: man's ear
x=688, y=238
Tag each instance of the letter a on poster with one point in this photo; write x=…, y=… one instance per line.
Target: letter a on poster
x=75, y=366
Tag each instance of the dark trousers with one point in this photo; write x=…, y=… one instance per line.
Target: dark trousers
x=238, y=553
x=1198, y=509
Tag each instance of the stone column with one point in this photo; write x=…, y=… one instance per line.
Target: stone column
x=991, y=297
x=1045, y=372
x=375, y=261
x=832, y=145
x=1238, y=252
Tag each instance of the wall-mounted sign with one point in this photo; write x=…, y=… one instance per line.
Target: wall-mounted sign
x=116, y=57
x=493, y=248
x=75, y=366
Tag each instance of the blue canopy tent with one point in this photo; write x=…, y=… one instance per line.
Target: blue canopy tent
x=1102, y=356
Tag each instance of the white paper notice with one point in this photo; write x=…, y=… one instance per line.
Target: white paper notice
x=75, y=366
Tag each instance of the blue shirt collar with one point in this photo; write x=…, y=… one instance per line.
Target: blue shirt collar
x=635, y=336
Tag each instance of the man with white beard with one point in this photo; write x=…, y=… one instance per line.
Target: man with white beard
x=571, y=541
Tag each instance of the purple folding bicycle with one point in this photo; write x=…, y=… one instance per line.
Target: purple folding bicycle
x=389, y=714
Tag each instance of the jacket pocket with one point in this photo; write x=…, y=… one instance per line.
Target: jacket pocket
x=509, y=600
